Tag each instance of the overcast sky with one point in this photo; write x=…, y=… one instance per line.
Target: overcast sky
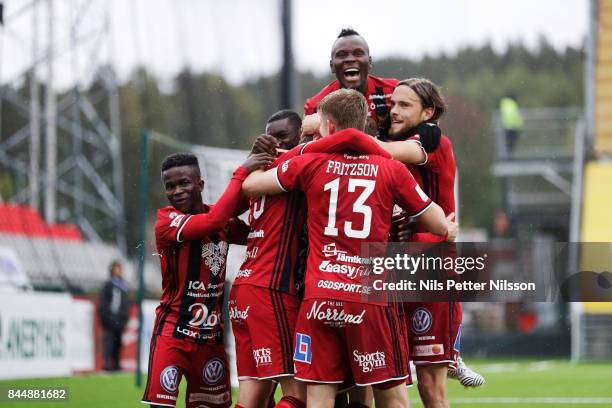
x=241, y=38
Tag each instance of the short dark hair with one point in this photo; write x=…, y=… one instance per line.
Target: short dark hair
x=293, y=117
x=180, y=159
x=346, y=107
x=429, y=94
x=347, y=32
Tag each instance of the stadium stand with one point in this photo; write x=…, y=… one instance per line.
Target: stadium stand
x=55, y=256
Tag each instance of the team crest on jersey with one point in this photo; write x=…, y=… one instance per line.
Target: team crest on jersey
x=214, y=371
x=169, y=379
x=421, y=320
x=214, y=256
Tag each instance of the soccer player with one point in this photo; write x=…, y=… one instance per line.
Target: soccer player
x=351, y=63
x=264, y=298
x=192, y=248
x=350, y=200
x=434, y=327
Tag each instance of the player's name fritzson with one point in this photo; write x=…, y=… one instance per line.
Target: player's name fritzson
x=450, y=284
x=352, y=169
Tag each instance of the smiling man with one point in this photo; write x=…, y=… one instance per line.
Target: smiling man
x=192, y=242
x=351, y=63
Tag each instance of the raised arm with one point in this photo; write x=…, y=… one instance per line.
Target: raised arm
x=197, y=226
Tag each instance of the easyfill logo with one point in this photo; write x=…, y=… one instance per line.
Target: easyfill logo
x=350, y=271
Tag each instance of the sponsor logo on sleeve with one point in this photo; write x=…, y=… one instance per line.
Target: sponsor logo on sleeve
x=303, y=351
x=285, y=166
x=168, y=379
x=214, y=371
x=176, y=219
x=421, y=320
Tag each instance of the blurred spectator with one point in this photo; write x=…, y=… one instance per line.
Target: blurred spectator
x=512, y=121
x=114, y=306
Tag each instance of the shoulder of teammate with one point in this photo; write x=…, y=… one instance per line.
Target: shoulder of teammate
x=296, y=151
x=295, y=172
x=442, y=156
x=388, y=84
x=312, y=103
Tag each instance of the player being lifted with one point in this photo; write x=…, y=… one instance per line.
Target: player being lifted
x=192, y=242
x=351, y=63
x=345, y=211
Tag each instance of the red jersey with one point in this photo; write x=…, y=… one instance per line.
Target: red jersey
x=378, y=95
x=437, y=179
x=273, y=245
x=350, y=201
x=192, y=250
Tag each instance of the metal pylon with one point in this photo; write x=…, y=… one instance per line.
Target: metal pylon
x=63, y=157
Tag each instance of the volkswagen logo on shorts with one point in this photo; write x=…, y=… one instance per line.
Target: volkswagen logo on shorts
x=421, y=320
x=169, y=379
x=214, y=371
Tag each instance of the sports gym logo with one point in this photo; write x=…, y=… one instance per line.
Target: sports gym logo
x=169, y=379
x=421, y=320
x=214, y=256
x=303, y=351
x=262, y=356
x=369, y=361
x=214, y=371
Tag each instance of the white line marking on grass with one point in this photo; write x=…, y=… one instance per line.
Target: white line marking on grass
x=532, y=400
x=498, y=368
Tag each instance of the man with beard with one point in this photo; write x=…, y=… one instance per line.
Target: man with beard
x=417, y=105
x=350, y=202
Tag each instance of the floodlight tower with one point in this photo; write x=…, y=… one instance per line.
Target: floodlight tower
x=82, y=178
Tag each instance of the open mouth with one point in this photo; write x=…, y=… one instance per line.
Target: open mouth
x=351, y=74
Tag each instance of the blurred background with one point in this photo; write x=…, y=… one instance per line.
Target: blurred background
x=94, y=93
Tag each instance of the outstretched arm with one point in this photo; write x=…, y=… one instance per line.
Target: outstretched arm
x=197, y=226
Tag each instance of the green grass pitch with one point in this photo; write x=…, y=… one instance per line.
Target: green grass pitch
x=509, y=384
